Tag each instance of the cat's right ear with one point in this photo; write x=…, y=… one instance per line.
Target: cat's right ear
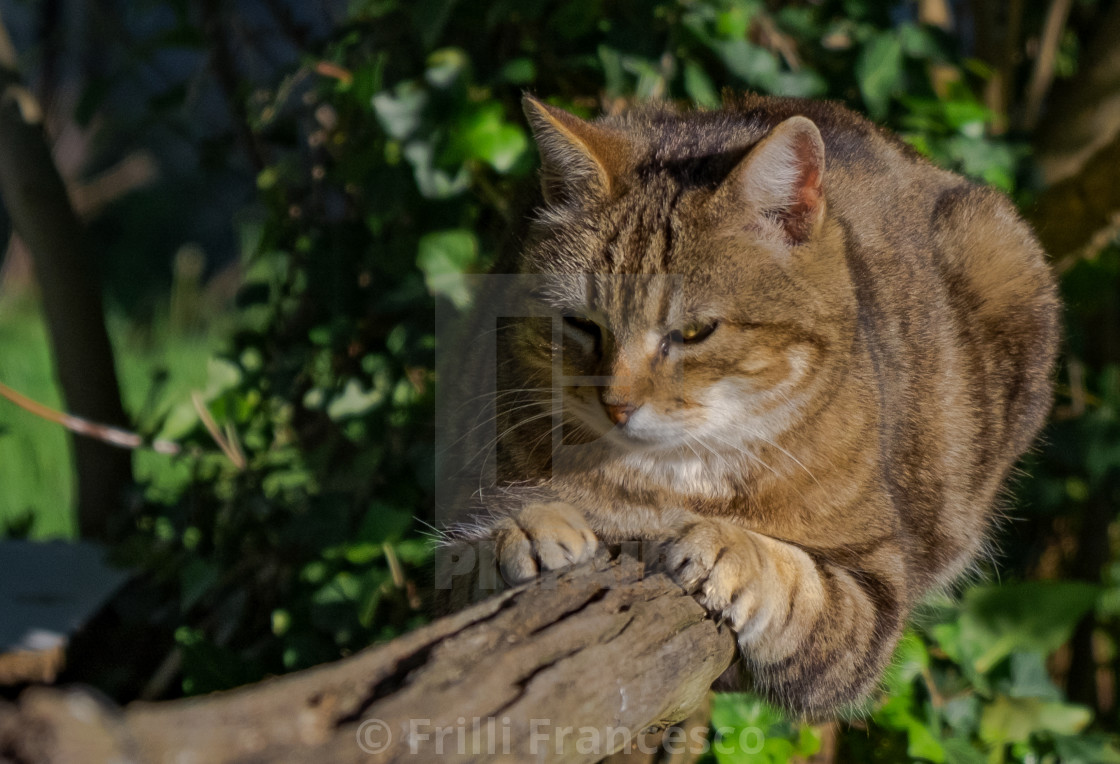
x=579, y=159
x=782, y=179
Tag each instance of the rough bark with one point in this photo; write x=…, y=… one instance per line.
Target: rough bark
x=1083, y=114
x=36, y=201
x=1082, y=212
x=606, y=650
x=1078, y=150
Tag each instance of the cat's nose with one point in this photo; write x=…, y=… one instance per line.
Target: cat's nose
x=620, y=413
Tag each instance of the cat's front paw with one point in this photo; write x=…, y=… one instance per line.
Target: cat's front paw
x=543, y=537
x=718, y=563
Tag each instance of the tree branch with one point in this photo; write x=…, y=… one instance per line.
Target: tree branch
x=1081, y=214
x=605, y=650
x=1042, y=75
x=1084, y=115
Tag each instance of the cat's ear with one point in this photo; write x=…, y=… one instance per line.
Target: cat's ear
x=578, y=159
x=781, y=178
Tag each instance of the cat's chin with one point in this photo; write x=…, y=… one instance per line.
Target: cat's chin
x=633, y=440
x=622, y=438
x=646, y=432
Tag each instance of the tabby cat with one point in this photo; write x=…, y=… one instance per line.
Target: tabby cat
x=786, y=347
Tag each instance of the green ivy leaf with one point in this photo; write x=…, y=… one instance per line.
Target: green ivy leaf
x=343, y=588
x=415, y=552
x=879, y=72
x=180, y=421
x=1014, y=720
x=445, y=67
x=519, y=71
x=921, y=743
x=434, y=182
x=959, y=750
x=444, y=257
x=400, y=112
x=754, y=65
x=800, y=84
x=1037, y=615
x=485, y=135
x=699, y=86
x=355, y=401
x=383, y=522
x=1030, y=679
x=1087, y=749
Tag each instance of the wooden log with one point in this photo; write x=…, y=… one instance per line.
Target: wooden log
x=571, y=668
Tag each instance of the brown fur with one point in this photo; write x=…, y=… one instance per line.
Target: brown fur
x=833, y=449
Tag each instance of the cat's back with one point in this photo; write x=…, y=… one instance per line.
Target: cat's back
x=957, y=307
x=959, y=319
x=703, y=144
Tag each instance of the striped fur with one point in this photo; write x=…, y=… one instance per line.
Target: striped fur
x=833, y=448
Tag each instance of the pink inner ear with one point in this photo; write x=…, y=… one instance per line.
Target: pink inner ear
x=801, y=215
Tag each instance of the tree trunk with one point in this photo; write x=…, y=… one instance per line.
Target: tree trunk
x=36, y=200
x=571, y=668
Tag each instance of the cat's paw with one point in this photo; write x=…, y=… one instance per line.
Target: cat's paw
x=543, y=537
x=717, y=563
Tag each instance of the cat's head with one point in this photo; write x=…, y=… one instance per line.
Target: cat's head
x=700, y=277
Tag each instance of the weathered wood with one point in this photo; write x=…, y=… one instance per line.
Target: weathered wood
x=568, y=668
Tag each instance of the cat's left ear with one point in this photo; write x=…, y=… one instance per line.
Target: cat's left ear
x=579, y=160
x=781, y=178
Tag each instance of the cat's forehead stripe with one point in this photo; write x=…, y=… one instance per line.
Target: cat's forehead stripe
x=665, y=304
x=645, y=237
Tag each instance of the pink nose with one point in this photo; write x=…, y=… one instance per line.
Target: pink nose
x=620, y=413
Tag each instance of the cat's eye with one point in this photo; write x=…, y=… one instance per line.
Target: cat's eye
x=585, y=325
x=693, y=331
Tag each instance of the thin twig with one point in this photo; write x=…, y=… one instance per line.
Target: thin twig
x=228, y=446
x=1043, y=73
x=395, y=567
x=114, y=436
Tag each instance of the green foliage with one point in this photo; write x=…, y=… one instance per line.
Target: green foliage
x=396, y=158
x=971, y=683
x=745, y=729
x=159, y=364
x=32, y=452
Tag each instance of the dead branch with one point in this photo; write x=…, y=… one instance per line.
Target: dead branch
x=1080, y=215
x=1083, y=114
x=1042, y=75
x=598, y=654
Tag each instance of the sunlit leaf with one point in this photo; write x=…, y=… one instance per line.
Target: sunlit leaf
x=1014, y=720
x=444, y=257
x=699, y=86
x=400, y=111
x=1037, y=615
x=879, y=73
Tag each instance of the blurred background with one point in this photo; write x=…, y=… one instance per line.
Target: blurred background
x=273, y=194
